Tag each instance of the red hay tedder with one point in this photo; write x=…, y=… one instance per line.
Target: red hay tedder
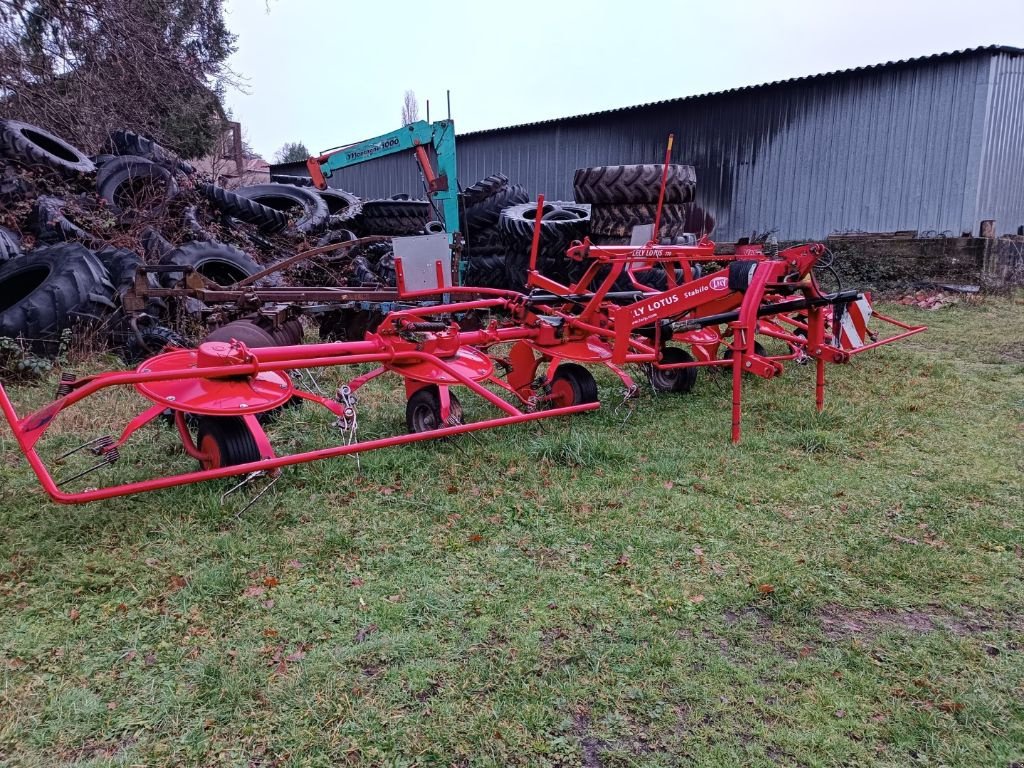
x=536, y=352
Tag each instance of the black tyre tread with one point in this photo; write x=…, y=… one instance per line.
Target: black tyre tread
x=487, y=272
x=431, y=397
x=10, y=244
x=232, y=434
x=48, y=223
x=128, y=168
x=77, y=288
x=199, y=254
x=297, y=181
x=679, y=380
x=634, y=183
x=122, y=142
x=343, y=207
x=484, y=213
x=19, y=141
x=583, y=382
x=516, y=228
x=285, y=197
x=395, y=217
x=242, y=208
x=155, y=338
x=618, y=220
x=121, y=264
x=484, y=188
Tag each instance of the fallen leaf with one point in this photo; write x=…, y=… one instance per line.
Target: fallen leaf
x=270, y=633
x=122, y=608
x=669, y=485
x=294, y=564
x=74, y=614
x=475, y=538
x=365, y=632
x=394, y=598
x=697, y=599
x=111, y=705
x=356, y=582
x=297, y=656
x=951, y=706
x=840, y=713
x=253, y=591
x=130, y=656
x=622, y=562
x=178, y=582
x=268, y=604
x=150, y=659
x=270, y=581
x=766, y=589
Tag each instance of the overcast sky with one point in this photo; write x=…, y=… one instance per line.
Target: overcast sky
x=330, y=72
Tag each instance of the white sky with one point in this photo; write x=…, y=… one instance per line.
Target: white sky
x=330, y=72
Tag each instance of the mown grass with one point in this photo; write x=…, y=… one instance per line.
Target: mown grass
x=840, y=589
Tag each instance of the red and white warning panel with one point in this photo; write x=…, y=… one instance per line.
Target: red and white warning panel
x=853, y=327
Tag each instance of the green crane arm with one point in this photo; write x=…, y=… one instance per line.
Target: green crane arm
x=442, y=185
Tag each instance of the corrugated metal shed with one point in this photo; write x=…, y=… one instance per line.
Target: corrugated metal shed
x=928, y=144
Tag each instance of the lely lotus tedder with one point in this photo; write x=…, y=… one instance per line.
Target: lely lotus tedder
x=528, y=359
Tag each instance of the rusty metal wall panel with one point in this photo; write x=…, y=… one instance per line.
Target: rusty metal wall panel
x=932, y=145
x=1001, y=191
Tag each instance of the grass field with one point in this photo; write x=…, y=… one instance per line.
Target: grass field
x=840, y=589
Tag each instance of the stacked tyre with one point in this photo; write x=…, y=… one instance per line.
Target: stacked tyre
x=481, y=206
x=561, y=224
x=625, y=196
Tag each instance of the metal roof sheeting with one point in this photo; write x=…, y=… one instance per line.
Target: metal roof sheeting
x=927, y=144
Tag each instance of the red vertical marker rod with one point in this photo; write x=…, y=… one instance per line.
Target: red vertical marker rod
x=661, y=192
x=535, y=245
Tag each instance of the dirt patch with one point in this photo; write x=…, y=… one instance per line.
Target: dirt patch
x=590, y=746
x=839, y=623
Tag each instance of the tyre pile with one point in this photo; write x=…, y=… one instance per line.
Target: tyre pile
x=75, y=228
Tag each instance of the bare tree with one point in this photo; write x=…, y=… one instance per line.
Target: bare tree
x=410, y=108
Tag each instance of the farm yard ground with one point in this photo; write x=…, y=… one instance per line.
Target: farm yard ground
x=839, y=589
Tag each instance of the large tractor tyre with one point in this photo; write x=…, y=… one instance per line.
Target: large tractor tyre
x=10, y=244
x=31, y=145
x=308, y=211
x=634, y=183
x=487, y=272
x=122, y=265
x=296, y=181
x=485, y=244
x=618, y=220
x=242, y=208
x=132, y=184
x=561, y=224
x=344, y=207
x=395, y=217
x=122, y=142
x=50, y=289
x=46, y=220
x=225, y=441
x=219, y=263
x=484, y=201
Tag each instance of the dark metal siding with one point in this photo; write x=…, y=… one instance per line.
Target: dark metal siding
x=933, y=145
